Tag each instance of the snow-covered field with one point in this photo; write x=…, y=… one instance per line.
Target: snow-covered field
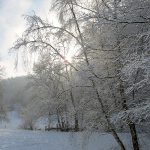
x=13, y=139
x=40, y=140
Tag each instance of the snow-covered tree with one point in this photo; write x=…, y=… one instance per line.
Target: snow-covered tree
x=106, y=79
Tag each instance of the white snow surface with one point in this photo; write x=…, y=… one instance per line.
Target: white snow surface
x=40, y=140
x=11, y=138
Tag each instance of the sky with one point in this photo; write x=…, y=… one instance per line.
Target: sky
x=12, y=25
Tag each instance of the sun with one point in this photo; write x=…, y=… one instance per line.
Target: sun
x=69, y=58
x=70, y=55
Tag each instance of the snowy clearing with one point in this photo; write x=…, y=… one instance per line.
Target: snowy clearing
x=40, y=140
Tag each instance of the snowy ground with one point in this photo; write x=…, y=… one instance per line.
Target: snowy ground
x=40, y=140
x=13, y=139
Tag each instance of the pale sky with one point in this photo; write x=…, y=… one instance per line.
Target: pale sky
x=12, y=24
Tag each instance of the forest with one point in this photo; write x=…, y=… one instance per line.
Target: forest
x=90, y=70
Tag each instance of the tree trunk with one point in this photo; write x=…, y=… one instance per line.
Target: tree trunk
x=93, y=83
x=58, y=119
x=130, y=123
x=49, y=120
x=134, y=136
x=114, y=133
x=76, y=128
